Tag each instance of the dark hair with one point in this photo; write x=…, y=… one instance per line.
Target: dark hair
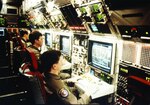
x=49, y=58
x=22, y=32
x=34, y=36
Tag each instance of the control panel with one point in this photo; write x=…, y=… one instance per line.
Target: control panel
x=101, y=75
x=139, y=31
x=133, y=84
x=122, y=81
x=79, y=54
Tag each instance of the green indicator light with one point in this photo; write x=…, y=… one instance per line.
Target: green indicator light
x=146, y=33
x=126, y=31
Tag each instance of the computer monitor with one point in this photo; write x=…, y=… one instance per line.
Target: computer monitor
x=99, y=28
x=93, y=28
x=101, y=55
x=49, y=40
x=65, y=45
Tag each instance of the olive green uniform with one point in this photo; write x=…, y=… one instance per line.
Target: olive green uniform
x=35, y=50
x=61, y=93
x=37, y=54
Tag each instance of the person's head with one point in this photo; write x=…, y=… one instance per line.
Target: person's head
x=51, y=61
x=24, y=34
x=36, y=38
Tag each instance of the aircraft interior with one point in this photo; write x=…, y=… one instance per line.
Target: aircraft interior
x=105, y=46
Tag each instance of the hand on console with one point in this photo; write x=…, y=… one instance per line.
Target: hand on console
x=70, y=83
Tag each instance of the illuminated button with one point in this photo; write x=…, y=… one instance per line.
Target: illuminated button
x=146, y=33
x=126, y=31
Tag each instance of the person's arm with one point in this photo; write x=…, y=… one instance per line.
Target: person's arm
x=68, y=97
x=84, y=99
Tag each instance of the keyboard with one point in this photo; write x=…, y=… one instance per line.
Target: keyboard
x=85, y=85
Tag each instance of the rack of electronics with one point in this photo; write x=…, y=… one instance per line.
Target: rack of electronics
x=71, y=16
x=92, y=12
x=57, y=19
x=133, y=85
x=134, y=71
x=79, y=53
x=95, y=16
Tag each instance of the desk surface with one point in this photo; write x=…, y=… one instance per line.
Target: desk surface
x=93, y=85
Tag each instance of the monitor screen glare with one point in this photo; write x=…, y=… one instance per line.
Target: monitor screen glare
x=101, y=55
x=65, y=45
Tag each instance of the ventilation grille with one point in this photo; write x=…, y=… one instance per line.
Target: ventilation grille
x=129, y=52
x=145, y=55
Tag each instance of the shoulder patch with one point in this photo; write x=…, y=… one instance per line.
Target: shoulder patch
x=63, y=93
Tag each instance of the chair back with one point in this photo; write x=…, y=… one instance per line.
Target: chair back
x=30, y=70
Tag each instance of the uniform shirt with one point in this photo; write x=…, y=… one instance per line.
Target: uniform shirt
x=25, y=43
x=61, y=93
x=35, y=50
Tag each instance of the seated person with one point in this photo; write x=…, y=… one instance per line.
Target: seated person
x=51, y=62
x=24, y=38
x=37, y=40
